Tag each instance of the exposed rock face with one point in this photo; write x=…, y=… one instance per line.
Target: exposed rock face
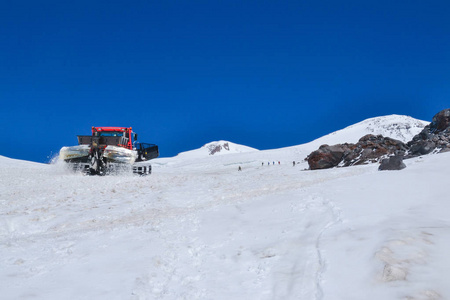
x=213, y=149
x=328, y=156
x=392, y=163
x=441, y=121
x=435, y=137
x=370, y=148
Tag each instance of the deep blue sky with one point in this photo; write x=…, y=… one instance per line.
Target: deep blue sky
x=266, y=74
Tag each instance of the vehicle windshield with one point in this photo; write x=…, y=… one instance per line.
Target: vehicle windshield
x=110, y=133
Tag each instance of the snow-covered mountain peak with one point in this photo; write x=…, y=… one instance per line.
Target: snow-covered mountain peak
x=224, y=147
x=399, y=127
x=215, y=149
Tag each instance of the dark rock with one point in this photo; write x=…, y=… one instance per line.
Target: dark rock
x=370, y=148
x=392, y=163
x=326, y=157
x=440, y=121
x=422, y=147
x=435, y=137
x=214, y=148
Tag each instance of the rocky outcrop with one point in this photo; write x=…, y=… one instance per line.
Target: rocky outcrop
x=392, y=163
x=214, y=148
x=370, y=148
x=435, y=137
x=328, y=156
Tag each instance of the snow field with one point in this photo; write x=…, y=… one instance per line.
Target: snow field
x=199, y=229
x=397, y=223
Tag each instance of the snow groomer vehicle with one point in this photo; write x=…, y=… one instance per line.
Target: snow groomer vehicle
x=110, y=150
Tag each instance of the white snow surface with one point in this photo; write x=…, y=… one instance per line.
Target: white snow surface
x=200, y=229
x=217, y=148
x=399, y=127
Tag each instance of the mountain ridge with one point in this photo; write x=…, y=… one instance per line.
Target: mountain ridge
x=399, y=127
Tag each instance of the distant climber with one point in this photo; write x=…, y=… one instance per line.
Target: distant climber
x=239, y=169
x=293, y=163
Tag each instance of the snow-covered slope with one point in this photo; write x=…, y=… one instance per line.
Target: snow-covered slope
x=402, y=128
x=220, y=152
x=217, y=148
x=211, y=232
x=6, y=161
x=399, y=127
x=200, y=229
